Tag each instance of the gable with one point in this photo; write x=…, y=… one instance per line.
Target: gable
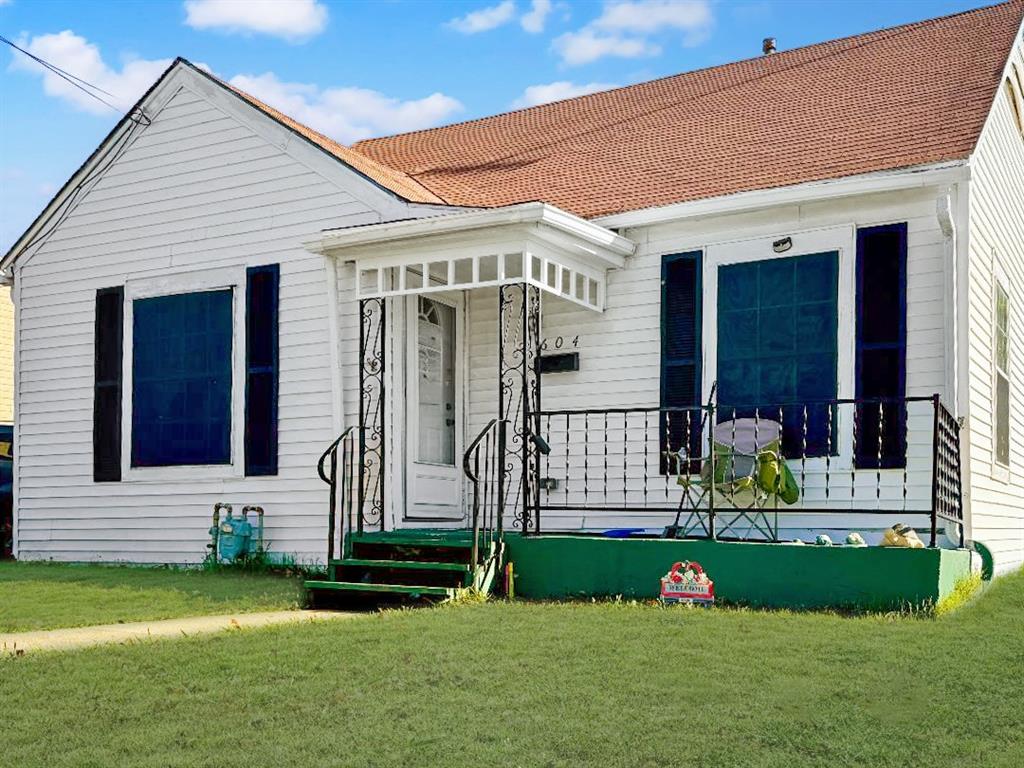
x=193, y=140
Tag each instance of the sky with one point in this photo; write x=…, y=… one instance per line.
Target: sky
x=355, y=69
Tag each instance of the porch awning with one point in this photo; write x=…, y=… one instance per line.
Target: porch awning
x=535, y=243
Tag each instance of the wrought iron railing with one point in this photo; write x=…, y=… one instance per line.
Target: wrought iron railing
x=483, y=465
x=883, y=457
x=345, y=492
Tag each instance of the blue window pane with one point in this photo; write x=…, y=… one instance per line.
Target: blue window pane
x=777, y=330
x=181, y=379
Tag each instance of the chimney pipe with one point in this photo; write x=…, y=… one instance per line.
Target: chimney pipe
x=768, y=46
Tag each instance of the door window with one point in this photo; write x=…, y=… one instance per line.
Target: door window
x=435, y=375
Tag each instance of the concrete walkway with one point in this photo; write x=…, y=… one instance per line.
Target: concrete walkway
x=19, y=643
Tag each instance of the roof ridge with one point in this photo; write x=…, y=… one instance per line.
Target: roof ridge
x=897, y=29
x=885, y=34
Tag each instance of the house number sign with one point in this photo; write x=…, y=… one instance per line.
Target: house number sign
x=560, y=342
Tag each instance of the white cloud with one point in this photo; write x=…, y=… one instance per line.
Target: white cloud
x=485, y=18
x=76, y=55
x=288, y=19
x=587, y=45
x=624, y=29
x=348, y=114
x=533, y=21
x=647, y=16
x=561, y=89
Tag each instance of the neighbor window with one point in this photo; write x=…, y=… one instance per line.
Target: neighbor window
x=181, y=379
x=1015, y=96
x=1002, y=376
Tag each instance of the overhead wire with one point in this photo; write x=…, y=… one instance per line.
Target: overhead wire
x=110, y=155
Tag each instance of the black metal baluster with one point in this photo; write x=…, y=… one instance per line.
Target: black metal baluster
x=586, y=456
x=647, y=448
x=567, y=470
x=606, y=458
x=828, y=450
x=668, y=448
x=803, y=455
x=853, y=459
x=625, y=454
x=906, y=452
x=878, y=465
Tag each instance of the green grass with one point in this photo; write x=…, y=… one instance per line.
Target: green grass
x=599, y=684
x=50, y=595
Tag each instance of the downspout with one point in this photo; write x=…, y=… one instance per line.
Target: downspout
x=952, y=212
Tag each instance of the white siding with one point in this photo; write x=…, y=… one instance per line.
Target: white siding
x=620, y=353
x=997, y=244
x=200, y=187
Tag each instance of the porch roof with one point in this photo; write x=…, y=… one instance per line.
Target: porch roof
x=535, y=243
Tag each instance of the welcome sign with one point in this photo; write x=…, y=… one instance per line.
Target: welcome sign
x=686, y=582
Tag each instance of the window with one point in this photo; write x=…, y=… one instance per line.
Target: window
x=777, y=331
x=881, y=348
x=181, y=379
x=186, y=376
x=435, y=377
x=1015, y=96
x=680, y=352
x=1001, y=377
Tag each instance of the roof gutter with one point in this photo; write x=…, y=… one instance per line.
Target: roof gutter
x=885, y=181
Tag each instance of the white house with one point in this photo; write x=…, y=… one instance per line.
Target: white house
x=825, y=242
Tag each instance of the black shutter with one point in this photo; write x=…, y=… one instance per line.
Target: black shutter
x=261, y=366
x=106, y=414
x=881, y=365
x=680, y=353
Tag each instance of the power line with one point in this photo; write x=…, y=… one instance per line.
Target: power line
x=78, y=82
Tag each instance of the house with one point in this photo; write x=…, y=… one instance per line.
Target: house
x=590, y=315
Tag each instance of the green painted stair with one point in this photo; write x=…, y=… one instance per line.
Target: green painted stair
x=404, y=565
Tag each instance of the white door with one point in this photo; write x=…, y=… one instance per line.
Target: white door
x=434, y=409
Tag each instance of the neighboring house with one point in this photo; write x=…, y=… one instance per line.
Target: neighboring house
x=6, y=356
x=827, y=241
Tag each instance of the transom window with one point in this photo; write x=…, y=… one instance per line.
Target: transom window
x=181, y=379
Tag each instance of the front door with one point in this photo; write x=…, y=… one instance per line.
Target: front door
x=434, y=408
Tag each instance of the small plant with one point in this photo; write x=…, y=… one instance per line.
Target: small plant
x=965, y=589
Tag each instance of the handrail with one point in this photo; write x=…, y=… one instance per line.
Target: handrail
x=332, y=480
x=493, y=465
x=472, y=447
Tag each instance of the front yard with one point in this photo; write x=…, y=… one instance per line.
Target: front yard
x=519, y=684
x=51, y=595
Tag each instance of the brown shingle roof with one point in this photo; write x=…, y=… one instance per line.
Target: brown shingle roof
x=398, y=182
x=899, y=97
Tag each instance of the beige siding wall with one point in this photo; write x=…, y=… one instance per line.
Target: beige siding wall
x=996, y=247
x=200, y=187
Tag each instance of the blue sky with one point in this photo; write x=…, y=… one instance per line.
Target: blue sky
x=355, y=69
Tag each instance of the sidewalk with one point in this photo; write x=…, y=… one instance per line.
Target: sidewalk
x=18, y=643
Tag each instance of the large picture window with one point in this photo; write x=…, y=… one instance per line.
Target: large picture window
x=182, y=379
x=777, y=332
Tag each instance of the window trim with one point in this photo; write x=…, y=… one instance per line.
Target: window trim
x=840, y=239
x=233, y=278
x=1000, y=470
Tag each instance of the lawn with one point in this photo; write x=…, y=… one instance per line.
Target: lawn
x=51, y=595
x=521, y=684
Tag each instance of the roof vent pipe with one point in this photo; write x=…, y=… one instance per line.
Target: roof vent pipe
x=768, y=45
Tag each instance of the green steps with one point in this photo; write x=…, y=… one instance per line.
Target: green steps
x=404, y=565
x=395, y=589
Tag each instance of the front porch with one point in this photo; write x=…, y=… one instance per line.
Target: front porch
x=454, y=436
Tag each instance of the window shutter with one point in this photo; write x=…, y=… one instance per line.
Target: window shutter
x=881, y=345
x=261, y=366
x=680, y=352
x=106, y=419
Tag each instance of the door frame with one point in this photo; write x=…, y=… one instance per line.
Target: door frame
x=456, y=300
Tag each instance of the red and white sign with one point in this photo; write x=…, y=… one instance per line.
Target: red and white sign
x=686, y=582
